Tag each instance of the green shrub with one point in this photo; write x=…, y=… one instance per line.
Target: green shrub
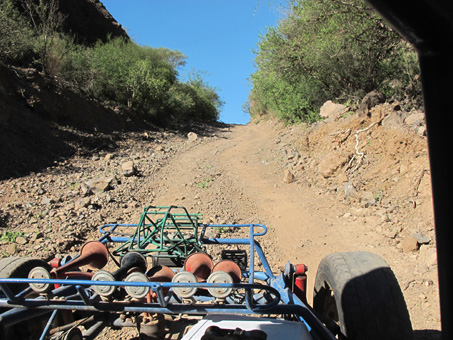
x=16, y=35
x=194, y=100
x=327, y=49
x=120, y=72
x=77, y=68
x=133, y=76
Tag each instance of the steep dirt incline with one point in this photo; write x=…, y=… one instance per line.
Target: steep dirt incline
x=238, y=177
x=239, y=174
x=235, y=174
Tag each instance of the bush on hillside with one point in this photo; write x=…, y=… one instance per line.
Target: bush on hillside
x=327, y=49
x=133, y=76
x=16, y=35
x=119, y=72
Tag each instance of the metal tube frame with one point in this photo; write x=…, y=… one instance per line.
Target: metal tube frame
x=277, y=299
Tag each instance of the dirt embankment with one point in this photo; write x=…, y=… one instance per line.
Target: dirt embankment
x=351, y=184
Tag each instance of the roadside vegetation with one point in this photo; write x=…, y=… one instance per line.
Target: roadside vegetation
x=141, y=79
x=329, y=50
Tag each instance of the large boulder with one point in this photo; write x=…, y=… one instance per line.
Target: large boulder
x=330, y=110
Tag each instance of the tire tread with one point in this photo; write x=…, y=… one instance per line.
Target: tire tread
x=369, y=300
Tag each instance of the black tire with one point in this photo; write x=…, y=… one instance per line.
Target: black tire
x=360, y=293
x=19, y=267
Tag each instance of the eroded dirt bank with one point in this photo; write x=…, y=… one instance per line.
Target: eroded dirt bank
x=258, y=173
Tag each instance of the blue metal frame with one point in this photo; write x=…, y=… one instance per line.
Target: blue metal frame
x=273, y=298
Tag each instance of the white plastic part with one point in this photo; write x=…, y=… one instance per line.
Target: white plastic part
x=137, y=292
x=39, y=273
x=184, y=277
x=103, y=275
x=274, y=328
x=220, y=277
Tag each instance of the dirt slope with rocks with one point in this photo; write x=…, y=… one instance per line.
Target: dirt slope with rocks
x=348, y=184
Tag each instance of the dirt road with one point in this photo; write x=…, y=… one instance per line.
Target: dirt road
x=233, y=175
x=238, y=177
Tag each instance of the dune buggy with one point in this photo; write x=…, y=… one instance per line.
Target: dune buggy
x=172, y=277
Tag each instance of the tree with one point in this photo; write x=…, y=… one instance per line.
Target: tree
x=46, y=21
x=174, y=57
x=324, y=49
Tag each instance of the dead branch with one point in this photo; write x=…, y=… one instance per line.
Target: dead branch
x=358, y=153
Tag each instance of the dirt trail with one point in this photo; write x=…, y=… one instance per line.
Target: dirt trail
x=235, y=175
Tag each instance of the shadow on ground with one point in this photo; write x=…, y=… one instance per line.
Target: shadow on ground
x=43, y=122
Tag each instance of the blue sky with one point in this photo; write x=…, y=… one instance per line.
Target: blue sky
x=217, y=36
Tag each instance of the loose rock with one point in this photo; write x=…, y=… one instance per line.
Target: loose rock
x=288, y=177
x=82, y=203
x=99, y=185
x=330, y=163
x=47, y=200
x=192, y=137
x=409, y=244
x=331, y=110
x=128, y=169
x=369, y=101
x=421, y=239
x=21, y=240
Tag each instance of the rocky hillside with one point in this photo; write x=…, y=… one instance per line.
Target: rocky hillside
x=37, y=112
x=379, y=160
x=88, y=21
x=37, y=115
